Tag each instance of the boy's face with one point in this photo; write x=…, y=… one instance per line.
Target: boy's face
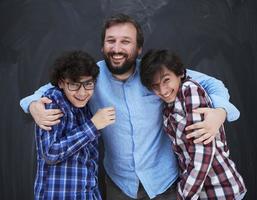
x=78, y=93
x=120, y=48
x=166, y=84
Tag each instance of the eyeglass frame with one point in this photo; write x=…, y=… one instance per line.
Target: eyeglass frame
x=82, y=83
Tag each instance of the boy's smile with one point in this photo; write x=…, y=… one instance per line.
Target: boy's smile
x=78, y=93
x=166, y=84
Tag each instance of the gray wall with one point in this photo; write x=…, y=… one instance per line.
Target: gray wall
x=216, y=37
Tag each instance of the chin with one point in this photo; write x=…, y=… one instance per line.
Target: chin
x=80, y=105
x=169, y=100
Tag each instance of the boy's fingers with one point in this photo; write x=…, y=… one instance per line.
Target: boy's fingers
x=112, y=121
x=108, y=108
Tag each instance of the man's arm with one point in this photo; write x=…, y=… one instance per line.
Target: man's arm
x=36, y=106
x=217, y=92
x=206, y=130
x=26, y=101
x=200, y=155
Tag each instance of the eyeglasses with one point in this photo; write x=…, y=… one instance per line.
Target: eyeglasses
x=75, y=86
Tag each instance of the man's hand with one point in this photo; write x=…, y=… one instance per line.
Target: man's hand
x=44, y=118
x=206, y=130
x=104, y=117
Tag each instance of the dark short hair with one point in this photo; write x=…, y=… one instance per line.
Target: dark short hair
x=73, y=65
x=153, y=61
x=122, y=19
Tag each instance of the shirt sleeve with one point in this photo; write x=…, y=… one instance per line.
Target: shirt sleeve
x=26, y=101
x=217, y=92
x=56, y=146
x=200, y=156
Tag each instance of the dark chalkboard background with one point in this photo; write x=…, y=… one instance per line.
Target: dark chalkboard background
x=216, y=37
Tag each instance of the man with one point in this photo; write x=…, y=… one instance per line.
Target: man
x=139, y=161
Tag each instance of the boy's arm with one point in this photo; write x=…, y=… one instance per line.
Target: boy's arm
x=200, y=155
x=58, y=147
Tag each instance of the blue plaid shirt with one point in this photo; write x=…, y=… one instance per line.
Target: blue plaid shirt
x=67, y=156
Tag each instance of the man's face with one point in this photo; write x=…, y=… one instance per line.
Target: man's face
x=78, y=93
x=166, y=84
x=120, y=48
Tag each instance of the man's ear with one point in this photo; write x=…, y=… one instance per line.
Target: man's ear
x=139, y=51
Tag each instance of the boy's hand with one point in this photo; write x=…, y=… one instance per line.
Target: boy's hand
x=104, y=117
x=44, y=118
x=206, y=130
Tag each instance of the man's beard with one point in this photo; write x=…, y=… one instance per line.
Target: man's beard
x=119, y=70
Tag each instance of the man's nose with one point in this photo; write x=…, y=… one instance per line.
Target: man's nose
x=116, y=47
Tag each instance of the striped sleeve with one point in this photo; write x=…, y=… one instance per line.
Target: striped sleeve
x=64, y=139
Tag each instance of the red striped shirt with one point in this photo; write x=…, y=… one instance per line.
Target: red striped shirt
x=206, y=171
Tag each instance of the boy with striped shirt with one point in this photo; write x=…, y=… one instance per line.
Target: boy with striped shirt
x=206, y=171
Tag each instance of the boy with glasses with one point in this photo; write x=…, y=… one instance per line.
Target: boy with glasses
x=67, y=155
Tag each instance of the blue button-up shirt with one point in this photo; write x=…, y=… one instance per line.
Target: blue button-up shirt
x=136, y=148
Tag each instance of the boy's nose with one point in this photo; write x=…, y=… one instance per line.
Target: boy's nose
x=163, y=90
x=82, y=91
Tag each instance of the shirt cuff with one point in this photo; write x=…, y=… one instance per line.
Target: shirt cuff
x=94, y=131
x=232, y=112
x=25, y=102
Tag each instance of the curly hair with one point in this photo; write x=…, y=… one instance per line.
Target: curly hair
x=153, y=61
x=73, y=65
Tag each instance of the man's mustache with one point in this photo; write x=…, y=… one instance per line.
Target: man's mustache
x=119, y=54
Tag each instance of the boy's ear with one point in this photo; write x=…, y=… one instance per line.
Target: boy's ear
x=61, y=84
x=183, y=75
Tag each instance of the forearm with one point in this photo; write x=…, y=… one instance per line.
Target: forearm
x=26, y=101
x=217, y=92
x=59, y=149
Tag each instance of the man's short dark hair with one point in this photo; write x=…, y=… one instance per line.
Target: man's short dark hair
x=122, y=19
x=73, y=65
x=153, y=61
